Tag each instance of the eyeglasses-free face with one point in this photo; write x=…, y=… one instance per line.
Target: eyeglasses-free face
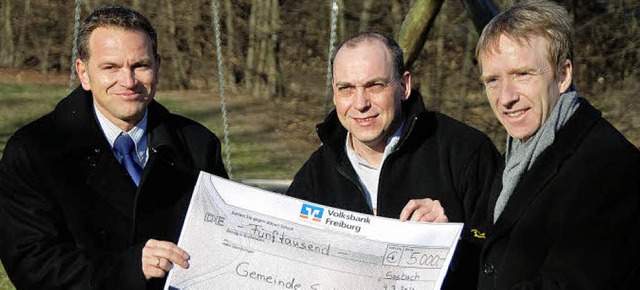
x=521, y=84
x=368, y=94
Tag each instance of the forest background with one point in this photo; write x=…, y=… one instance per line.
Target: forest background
x=274, y=62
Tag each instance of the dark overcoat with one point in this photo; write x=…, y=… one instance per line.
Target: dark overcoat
x=572, y=221
x=72, y=218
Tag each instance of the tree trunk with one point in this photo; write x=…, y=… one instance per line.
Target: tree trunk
x=22, y=32
x=46, y=50
x=251, y=47
x=467, y=64
x=276, y=82
x=342, y=29
x=415, y=28
x=365, y=15
x=274, y=77
x=7, y=45
x=233, y=63
x=259, y=75
x=191, y=47
x=174, y=57
x=397, y=15
x=438, y=79
x=263, y=68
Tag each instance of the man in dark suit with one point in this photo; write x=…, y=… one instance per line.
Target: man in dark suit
x=93, y=194
x=566, y=207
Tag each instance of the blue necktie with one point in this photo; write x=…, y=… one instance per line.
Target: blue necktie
x=125, y=147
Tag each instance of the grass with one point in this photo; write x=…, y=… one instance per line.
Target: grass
x=5, y=284
x=257, y=147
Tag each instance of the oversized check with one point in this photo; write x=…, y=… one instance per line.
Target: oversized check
x=240, y=237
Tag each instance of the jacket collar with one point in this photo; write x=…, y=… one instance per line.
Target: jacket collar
x=546, y=166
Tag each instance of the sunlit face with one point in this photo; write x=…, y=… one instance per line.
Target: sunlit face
x=121, y=73
x=367, y=95
x=521, y=85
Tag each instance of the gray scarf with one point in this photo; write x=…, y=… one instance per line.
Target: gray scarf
x=520, y=156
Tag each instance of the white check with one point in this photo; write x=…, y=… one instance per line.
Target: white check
x=240, y=237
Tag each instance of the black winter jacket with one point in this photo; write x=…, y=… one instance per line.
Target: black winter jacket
x=437, y=157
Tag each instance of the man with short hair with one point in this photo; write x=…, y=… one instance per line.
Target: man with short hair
x=566, y=207
x=382, y=153
x=93, y=195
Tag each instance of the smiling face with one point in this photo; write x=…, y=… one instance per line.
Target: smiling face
x=121, y=73
x=521, y=85
x=367, y=94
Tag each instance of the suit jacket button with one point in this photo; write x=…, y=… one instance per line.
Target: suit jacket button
x=488, y=269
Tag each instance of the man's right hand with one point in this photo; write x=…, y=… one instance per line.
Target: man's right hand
x=158, y=258
x=424, y=210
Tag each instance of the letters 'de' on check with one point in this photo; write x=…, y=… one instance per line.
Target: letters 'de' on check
x=240, y=237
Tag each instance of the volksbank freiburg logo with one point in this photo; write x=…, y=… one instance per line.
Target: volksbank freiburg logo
x=311, y=212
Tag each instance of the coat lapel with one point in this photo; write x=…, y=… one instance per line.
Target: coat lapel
x=89, y=153
x=169, y=171
x=545, y=168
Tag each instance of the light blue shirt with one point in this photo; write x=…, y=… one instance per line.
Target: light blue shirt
x=137, y=133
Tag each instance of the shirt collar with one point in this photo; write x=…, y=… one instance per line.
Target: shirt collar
x=391, y=144
x=111, y=131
